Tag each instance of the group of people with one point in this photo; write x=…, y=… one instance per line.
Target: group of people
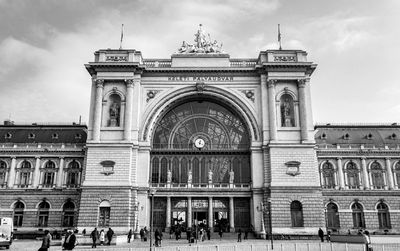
x=100, y=237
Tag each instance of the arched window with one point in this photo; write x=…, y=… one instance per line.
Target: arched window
x=383, y=216
x=287, y=111
x=328, y=175
x=175, y=171
x=43, y=214
x=396, y=170
x=353, y=175
x=377, y=175
x=196, y=171
x=104, y=213
x=3, y=173
x=164, y=170
x=24, y=176
x=184, y=170
x=68, y=214
x=49, y=173
x=358, y=215
x=296, y=212
x=114, y=110
x=73, y=174
x=155, y=171
x=332, y=216
x=18, y=214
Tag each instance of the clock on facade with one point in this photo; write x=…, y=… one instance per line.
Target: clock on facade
x=199, y=143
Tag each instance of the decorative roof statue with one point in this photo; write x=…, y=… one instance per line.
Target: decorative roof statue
x=203, y=44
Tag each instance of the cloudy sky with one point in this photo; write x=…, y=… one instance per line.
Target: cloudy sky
x=44, y=45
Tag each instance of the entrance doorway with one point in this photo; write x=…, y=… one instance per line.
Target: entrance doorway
x=200, y=219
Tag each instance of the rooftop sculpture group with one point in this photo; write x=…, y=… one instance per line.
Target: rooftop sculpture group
x=202, y=44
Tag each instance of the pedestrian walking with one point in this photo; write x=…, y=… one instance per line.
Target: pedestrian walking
x=220, y=233
x=321, y=234
x=129, y=235
x=158, y=238
x=46, y=241
x=109, y=234
x=70, y=241
x=367, y=241
x=240, y=235
x=246, y=232
x=95, y=236
x=141, y=232
x=102, y=237
x=188, y=234
x=145, y=234
x=208, y=233
x=328, y=236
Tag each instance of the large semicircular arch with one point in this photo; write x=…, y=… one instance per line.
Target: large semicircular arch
x=164, y=103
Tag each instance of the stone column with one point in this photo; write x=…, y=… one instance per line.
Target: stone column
x=60, y=172
x=98, y=109
x=210, y=213
x=303, y=109
x=365, y=173
x=340, y=174
x=272, y=109
x=231, y=214
x=389, y=174
x=11, y=174
x=168, y=221
x=264, y=105
x=92, y=103
x=189, y=211
x=36, y=173
x=128, y=109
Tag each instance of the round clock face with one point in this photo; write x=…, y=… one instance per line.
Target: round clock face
x=199, y=143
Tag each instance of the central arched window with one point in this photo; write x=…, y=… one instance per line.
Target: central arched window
x=49, y=174
x=296, y=211
x=353, y=175
x=24, y=174
x=332, y=216
x=223, y=152
x=43, y=214
x=68, y=214
x=73, y=174
x=18, y=214
x=358, y=215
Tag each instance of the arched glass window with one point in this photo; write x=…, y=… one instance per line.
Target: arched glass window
x=3, y=173
x=18, y=214
x=49, y=173
x=184, y=170
x=328, y=175
x=175, y=171
x=287, y=111
x=353, y=175
x=24, y=176
x=332, y=216
x=68, y=214
x=296, y=211
x=43, y=214
x=377, y=175
x=383, y=216
x=114, y=110
x=73, y=174
x=396, y=170
x=163, y=171
x=104, y=213
x=358, y=215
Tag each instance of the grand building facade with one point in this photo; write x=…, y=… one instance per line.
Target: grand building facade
x=202, y=137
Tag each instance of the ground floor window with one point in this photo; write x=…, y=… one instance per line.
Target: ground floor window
x=68, y=214
x=18, y=214
x=104, y=213
x=43, y=214
x=358, y=215
x=296, y=211
x=332, y=216
x=383, y=216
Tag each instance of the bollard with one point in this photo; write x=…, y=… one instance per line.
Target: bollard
x=308, y=247
x=346, y=247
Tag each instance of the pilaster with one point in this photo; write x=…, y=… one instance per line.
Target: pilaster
x=60, y=172
x=98, y=109
x=272, y=109
x=389, y=174
x=365, y=173
x=303, y=109
x=11, y=176
x=340, y=172
x=36, y=173
x=128, y=110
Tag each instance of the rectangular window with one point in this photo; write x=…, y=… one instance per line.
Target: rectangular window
x=43, y=219
x=18, y=218
x=24, y=179
x=3, y=181
x=72, y=179
x=48, y=179
x=68, y=219
x=104, y=217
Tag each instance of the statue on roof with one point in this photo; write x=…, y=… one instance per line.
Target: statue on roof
x=203, y=44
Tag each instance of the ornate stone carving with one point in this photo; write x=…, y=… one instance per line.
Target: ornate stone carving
x=271, y=82
x=116, y=58
x=200, y=86
x=249, y=94
x=151, y=94
x=293, y=168
x=129, y=83
x=301, y=82
x=99, y=83
x=285, y=59
x=203, y=44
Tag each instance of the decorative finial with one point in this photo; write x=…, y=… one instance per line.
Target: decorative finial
x=122, y=36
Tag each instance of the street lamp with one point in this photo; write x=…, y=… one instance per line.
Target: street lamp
x=152, y=192
x=136, y=227
x=270, y=222
x=266, y=209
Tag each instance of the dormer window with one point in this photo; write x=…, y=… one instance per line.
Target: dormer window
x=323, y=136
x=346, y=136
x=393, y=136
x=31, y=136
x=369, y=136
x=54, y=136
x=78, y=136
x=8, y=135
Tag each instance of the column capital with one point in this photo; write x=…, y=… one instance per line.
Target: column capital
x=271, y=82
x=301, y=82
x=13, y=157
x=339, y=158
x=37, y=157
x=387, y=158
x=99, y=83
x=363, y=158
x=129, y=83
x=62, y=157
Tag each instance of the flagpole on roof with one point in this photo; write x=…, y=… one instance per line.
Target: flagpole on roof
x=279, y=37
x=122, y=36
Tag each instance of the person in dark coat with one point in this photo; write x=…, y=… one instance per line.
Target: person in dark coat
x=70, y=240
x=188, y=234
x=220, y=233
x=208, y=233
x=158, y=237
x=145, y=234
x=141, y=232
x=129, y=235
x=95, y=236
x=321, y=234
x=46, y=241
x=246, y=233
x=109, y=234
x=240, y=235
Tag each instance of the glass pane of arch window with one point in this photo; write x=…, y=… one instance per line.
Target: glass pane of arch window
x=383, y=216
x=43, y=214
x=328, y=175
x=332, y=215
x=73, y=173
x=296, y=211
x=49, y=174
x=18, y=214
x=353, y=175
x=24, y=177
x=68, y=214
x=358, y=215
x=3, y=173
x=396, y=170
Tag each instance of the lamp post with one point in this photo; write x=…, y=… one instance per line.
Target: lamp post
x=262, y=210
x=136, y=227
x=152, y=192
x=270, y=223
